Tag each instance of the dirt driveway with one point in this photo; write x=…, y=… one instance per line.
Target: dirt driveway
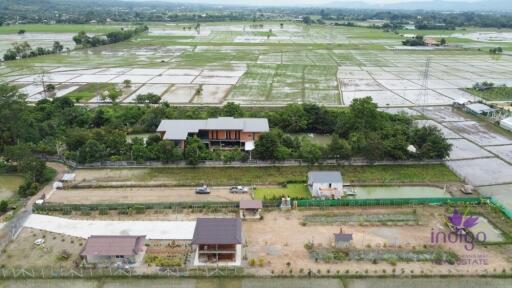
x=143, y=195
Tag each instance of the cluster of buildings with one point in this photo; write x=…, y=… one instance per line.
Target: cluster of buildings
x=216, y=241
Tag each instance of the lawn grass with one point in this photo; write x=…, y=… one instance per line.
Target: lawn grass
x=294, y=191
x=9, y=184
x=432, y=173
x=493, y=94
x=88, y=91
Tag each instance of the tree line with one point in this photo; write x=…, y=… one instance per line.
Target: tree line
x=85, y=41
x=83, y=134
x=24, y=50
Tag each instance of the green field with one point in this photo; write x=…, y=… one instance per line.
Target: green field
x=89, y=91
x=275, y=175
x=493, y=94
x=9, y=184
x=294, y=191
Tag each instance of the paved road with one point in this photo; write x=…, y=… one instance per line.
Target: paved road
x=163, y=230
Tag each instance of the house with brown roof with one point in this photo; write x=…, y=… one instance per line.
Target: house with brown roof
x=217, y=241
x=222, y=132
x=106, y=251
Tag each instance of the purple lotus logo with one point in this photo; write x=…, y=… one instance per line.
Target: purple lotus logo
x=460, y=231
x=461, y=222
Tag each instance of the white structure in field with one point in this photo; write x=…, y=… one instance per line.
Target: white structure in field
x=506, y=123
x=325, y=184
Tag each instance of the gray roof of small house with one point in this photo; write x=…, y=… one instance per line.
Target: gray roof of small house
x=179, y=129
x=342, y=237
x=324, y=177
x=218, y=231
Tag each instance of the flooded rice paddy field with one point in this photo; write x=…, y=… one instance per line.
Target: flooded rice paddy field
x=291, y=65
x=375, y=192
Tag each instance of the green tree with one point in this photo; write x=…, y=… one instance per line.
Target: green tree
x=4, y=206
x=112, y=93
x=231, y=109
x=339, y=149
x=33, y=168
x=430, y=143
x=147, y=98
x=293, y=118
x=92, y=151
x=195, y=151
x=309, y=152
x=364, y=115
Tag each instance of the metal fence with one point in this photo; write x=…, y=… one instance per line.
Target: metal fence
x=212, y=163
x=389, y=202
x=54, y=272
x=11, y=230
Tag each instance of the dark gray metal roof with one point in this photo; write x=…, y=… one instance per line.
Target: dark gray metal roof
x=341, y=237
x=218, y=231
x=179, y=129
x=324, y=177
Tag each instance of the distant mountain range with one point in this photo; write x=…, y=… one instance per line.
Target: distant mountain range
x=487, y=5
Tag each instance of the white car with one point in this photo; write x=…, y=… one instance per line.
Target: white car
x=238, y=189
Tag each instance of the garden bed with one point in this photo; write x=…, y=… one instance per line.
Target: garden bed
x=336, y=219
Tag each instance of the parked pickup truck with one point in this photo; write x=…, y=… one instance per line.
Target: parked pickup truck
x=238, y=189
x=203, y=190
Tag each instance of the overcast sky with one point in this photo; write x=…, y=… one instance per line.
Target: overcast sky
x=300, y=2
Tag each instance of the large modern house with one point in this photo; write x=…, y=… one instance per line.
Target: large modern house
x=222, y=132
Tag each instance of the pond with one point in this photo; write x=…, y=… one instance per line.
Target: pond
x=492, y=234
x=452, y=282
x=378, y=192
x=9, y=184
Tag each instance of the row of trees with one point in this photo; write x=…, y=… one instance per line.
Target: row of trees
x=24, y=50
x=362, y=132
x=101, y=133
x=83, y=40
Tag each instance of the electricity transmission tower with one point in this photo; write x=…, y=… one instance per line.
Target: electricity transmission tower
x=424, y=96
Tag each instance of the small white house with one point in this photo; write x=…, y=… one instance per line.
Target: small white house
x=325, y=184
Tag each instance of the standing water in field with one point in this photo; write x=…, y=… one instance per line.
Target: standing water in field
x=375, y=192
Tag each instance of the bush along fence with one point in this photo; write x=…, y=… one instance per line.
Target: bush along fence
x=390, y=202
x=213, y=163
x=128, y=208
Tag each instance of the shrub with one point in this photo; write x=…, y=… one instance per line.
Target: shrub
x=139, y=209
x=103, y=211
